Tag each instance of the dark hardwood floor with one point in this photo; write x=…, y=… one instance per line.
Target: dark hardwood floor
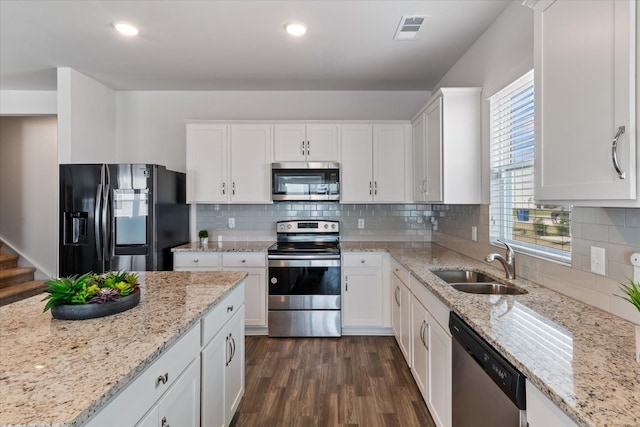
x=346, y=382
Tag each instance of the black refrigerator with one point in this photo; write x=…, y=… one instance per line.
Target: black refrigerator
x=120, y=216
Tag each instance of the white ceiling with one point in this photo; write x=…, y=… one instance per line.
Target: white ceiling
x=237, y=45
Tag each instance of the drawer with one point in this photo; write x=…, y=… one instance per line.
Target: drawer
x=148, y=387
x=437, y=308
x=402, y=273
x=196, y=260
x=221, y=313
x=244, y=259
x=362, y=259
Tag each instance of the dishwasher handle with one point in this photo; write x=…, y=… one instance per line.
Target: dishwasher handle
x=499, y=369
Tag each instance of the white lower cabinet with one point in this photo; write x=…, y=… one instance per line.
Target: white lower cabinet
x=420, y=347
x=440, y=389
x=223, y=373
x=180, y=406
x=542, y=412
x=254, y=263
x=401, y=309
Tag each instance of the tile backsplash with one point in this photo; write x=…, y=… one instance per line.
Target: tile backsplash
x=615, y=230
x=402, y=222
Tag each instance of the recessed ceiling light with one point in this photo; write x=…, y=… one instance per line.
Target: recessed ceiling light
x=295, y=29
x=126, y=28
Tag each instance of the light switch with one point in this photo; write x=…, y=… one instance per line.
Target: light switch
x=598, y=260
x=231, y=223
x=361, y=223
x=474, y=233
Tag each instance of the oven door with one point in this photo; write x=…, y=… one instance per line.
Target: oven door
x=304, y=284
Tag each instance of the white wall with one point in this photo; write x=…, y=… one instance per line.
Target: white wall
x=86, y=119
x=28, y=102
x=29, y=189
x=151, y=125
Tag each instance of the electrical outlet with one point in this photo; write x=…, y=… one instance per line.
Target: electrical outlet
x=231, y=223
x=474, y=233
x=360, y=223
x=598, y=260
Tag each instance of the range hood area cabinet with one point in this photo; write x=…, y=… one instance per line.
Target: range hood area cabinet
x=447, y=148
x=228, y=163
x=310, y=143
x=586, y=102
x=376, y=164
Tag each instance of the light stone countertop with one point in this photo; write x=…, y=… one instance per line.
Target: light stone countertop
x=56, y=372
x=224, y=246
x=581, y=357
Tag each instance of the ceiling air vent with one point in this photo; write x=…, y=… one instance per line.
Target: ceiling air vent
x=409, y=27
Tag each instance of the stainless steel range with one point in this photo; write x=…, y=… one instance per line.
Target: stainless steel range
x=304, y=280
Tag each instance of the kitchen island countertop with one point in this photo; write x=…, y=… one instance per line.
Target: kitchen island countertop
x=581, y=357
x=56, y=372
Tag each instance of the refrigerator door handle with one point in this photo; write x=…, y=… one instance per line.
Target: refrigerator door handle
x=97, y=222
x=104, y=217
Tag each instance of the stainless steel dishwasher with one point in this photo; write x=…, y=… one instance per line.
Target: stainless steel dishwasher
x=487, y=389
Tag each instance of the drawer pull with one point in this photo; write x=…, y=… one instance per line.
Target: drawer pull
x=361, y=261
x=229, y=308
x=243, y=261
x=196, y=260
x=164, y=422
x=162, y=379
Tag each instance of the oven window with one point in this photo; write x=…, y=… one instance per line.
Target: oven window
x=304, y=280
x=305, y=181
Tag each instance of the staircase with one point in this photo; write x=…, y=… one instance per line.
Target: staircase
x=16, y=283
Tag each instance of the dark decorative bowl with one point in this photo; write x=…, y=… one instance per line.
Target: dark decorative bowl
x=91, y=311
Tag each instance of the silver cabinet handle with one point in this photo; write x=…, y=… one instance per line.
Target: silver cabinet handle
x=229, y=308
x=165, y=423
x=303, y=148
x=370, y=188
x=243, y=261
x=228, y=351
x=233, y=188
x=396, y=296
x=361, y=261
x=614, y=153
x=375, y=188
x=196, y=260
x=308, y=149
x=224, y=188
x=346, y=283
x=162, y=379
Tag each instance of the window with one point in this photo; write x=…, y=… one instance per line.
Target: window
x=515, y=218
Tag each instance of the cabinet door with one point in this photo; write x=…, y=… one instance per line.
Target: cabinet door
x=250, y=154
x=356, y=173
x=542, y=412
x=419, y=158
x=439, y=376
x=389, y=163
x=289, y=144
x=420, y=347
x=395, y=308
x=405, y=323
x=322, y=143
x=255, y=296
x=362, y=303
x=584, y=91
x=214, y=359
x=206, y=163
x=433, y=165
x=180, y=406
x=234, y=369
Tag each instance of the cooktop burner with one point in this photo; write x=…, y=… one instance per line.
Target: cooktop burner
x=307, y=237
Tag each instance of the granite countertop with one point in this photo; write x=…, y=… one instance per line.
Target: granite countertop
x=56, y=372
x=225, y=246
x=581, y=357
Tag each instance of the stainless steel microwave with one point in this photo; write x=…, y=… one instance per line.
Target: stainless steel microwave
x=294, y=181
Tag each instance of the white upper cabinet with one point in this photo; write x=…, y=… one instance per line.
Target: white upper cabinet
x=585, y=64
x=206, y=163
x=250, y=149
x=447, y=148
x=299, y=142
x=375, y=163
x=228, y=163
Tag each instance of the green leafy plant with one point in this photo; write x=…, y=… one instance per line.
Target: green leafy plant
x=632, y=293
x=203, y=234
x=539, y=227
x=89, y=288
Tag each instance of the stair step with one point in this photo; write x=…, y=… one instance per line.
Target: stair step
x=8, y=261
x=20, y=291
x=11, y=276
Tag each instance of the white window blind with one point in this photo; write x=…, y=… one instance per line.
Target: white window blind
x=515, y=218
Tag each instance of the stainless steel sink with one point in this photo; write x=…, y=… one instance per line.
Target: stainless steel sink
x=462, y=276
x=488, y=288
x=473, y=282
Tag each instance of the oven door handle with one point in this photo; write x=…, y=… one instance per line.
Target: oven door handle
x=286, y=261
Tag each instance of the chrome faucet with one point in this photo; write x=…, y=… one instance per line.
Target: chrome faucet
x=509, y=263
